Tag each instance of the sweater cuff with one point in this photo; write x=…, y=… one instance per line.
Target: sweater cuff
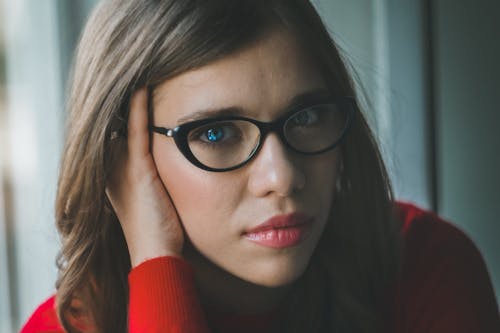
x=163, y=297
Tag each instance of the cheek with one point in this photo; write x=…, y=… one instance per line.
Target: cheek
x=322, y=175
x=202, y=199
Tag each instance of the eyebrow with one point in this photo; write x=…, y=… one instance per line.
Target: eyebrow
x=301, y=100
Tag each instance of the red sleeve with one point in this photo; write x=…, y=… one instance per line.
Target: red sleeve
x=163, y=298
x=445, y=286
x=44, y=319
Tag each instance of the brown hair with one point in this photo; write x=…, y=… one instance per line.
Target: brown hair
x=129, y=44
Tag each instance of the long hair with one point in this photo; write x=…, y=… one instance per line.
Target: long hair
x=130, y=44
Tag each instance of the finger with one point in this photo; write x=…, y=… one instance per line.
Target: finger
x=138, y=134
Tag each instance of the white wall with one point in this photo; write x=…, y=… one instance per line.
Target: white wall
x=467, y=43
x=384, y=42
x=34, y=135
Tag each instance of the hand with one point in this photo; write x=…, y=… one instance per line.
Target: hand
x=146, y=213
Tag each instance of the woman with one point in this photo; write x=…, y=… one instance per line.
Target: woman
x=218, y=176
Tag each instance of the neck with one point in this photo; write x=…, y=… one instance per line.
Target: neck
x=223, y=292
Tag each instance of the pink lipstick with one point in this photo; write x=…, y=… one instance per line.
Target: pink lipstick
x=280, y=231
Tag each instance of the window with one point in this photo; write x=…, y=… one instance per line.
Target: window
x=37, y=38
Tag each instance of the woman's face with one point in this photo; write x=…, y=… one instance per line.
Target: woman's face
x=220, y=210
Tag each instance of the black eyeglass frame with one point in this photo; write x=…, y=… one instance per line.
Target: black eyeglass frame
x=180, y=133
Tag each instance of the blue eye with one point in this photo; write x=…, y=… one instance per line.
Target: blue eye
x=214, y=134
x=305, y=117
x=218, y=134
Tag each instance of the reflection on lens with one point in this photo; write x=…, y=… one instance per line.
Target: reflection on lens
x=319, y=128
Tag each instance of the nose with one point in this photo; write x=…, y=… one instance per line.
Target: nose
x=273, y=171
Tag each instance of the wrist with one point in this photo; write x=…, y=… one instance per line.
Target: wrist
x=140, y=255
x=137, y=260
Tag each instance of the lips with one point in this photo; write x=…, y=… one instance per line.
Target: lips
x=280, y=231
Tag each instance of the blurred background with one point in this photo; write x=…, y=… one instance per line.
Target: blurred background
x=430, y=70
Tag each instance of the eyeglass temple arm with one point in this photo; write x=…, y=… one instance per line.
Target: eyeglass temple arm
x=162, y=130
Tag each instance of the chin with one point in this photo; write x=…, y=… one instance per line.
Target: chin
x=275, y=281
x=266, y=271
x=274, y=275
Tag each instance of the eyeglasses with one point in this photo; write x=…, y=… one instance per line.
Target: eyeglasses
x=229, y=142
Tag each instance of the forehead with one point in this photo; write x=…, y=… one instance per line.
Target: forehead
x=260, y=79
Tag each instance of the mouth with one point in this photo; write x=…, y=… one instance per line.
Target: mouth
x=281, y=231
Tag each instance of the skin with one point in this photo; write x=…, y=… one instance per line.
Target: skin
x=167, y=206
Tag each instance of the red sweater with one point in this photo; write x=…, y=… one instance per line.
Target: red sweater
x=444, y=288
